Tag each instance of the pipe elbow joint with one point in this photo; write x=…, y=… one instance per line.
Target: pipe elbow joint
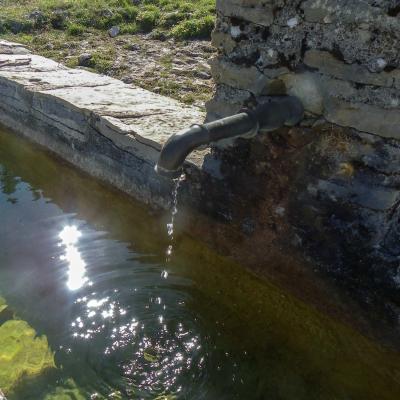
x=177, y=148
x=273, y=113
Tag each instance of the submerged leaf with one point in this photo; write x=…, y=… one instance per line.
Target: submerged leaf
x=150, y=357
x=22, y=353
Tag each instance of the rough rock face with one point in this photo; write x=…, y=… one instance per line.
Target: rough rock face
x=330, y=188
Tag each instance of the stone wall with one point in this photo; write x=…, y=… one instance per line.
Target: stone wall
x=330, y=188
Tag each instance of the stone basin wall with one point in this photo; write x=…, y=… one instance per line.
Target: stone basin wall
x=328, y=190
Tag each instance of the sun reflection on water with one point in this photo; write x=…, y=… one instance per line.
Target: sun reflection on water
x=76, y=265
x=135, y=327
x=153, y=350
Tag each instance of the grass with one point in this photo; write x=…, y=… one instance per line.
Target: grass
x=57, y=28
x=65, y=48
x=180, y=19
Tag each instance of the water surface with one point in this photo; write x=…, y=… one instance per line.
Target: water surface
x=86, y=267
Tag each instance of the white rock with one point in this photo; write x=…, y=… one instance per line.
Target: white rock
x=377, y=65
x=381, y=63
x=114, y=31
x=292, y=22
x=235, y=31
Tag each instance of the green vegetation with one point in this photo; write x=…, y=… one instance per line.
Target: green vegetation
x=22, y=352
x=102, y=61
x=3, y=304
x=181, y=19
x=75, y=29
x=200, y=27
x=67, y=391
x=63, y=30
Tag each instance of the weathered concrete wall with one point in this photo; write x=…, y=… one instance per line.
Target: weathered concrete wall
x=330, y=188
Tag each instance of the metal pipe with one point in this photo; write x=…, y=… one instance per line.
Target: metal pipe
x=273, y=114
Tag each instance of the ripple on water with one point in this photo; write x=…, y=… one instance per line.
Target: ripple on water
x=131, y=315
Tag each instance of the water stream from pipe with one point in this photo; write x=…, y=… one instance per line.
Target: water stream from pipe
x=170, y=225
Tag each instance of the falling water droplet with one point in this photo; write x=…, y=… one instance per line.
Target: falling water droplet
x=170, y=225
x=170, y=229
x=164, y=274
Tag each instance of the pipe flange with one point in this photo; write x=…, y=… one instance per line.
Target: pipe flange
x=167, y=173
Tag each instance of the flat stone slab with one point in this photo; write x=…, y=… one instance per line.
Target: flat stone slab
x=134, y=111
x=38, y=94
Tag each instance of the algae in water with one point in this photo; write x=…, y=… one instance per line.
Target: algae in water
x=3, y=304
x=67, y=392
x=22, y=352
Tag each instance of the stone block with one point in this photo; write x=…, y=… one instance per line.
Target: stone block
x=223, y=41
x=12, y=48
x=307, y=87
x=239, y=77
x=329, y=11
x=326, y=63
x=257, y=12
x=363, y=117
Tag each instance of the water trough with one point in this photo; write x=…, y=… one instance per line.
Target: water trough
x=114, y=132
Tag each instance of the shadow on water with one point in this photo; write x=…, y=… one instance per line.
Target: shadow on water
x=85, y=265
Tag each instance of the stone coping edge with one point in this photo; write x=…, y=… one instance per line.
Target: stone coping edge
x=109, y=129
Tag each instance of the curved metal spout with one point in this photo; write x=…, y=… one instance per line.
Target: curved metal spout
x=275, y=113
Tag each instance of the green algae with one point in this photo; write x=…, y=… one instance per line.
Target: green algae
x=3, y=304
x=22, y=352
x=69, y=391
